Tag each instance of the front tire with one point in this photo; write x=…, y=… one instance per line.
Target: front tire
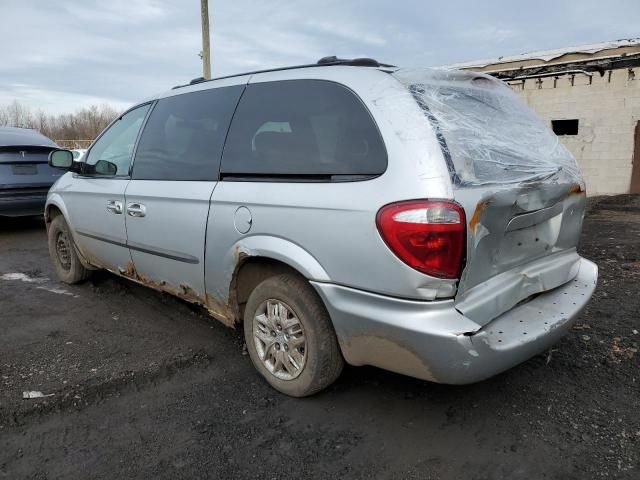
x=290, y=337
x=63, y=253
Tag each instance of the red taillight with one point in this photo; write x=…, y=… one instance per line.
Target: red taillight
x=428, y=235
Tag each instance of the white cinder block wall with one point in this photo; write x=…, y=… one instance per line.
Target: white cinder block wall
x=608, y=109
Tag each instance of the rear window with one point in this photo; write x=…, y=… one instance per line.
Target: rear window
x=488, y=135
x=305, y=129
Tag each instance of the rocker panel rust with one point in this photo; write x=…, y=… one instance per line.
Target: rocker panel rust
x=226, y=313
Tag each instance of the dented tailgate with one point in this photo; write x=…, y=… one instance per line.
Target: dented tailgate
x=521, y=241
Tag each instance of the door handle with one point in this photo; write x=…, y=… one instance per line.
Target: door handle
x=114, y=206
x=136, y=210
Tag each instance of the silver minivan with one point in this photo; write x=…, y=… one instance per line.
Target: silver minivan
x=421, y=221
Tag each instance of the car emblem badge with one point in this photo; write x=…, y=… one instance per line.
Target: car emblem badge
x=22, y=152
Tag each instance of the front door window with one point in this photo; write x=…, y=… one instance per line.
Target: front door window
x=111, y=154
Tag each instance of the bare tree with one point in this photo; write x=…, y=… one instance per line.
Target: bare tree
x=18, y=115
x=69, y=129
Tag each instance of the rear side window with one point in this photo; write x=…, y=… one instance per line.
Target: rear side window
x=184, y=136
x=310, y=129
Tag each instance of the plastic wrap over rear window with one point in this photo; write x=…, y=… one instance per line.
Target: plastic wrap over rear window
x=488, y=135
x=298, y=128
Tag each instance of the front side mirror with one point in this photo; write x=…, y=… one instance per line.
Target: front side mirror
x=61, y=159
x=104, y=167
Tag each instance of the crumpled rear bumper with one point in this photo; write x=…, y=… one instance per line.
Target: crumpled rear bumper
x=433, y=341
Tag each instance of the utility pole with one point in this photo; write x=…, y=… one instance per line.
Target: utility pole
x=206, y=50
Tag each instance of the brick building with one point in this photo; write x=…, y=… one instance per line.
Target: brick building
x=590, y=95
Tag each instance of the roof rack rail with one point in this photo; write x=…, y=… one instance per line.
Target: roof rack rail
x=354, y=62
x=323, y=62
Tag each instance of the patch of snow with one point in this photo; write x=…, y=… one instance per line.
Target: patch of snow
x=59, y=291
x=23, y=277
x=35, y=394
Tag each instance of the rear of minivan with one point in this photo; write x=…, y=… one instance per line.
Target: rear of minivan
x=505, y=235
x=519, y=186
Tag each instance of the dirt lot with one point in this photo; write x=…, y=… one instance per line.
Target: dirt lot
x=146, y=386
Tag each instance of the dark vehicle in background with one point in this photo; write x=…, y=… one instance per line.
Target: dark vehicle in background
x=25, y=175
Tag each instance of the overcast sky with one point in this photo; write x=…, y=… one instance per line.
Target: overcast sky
x=65, y=54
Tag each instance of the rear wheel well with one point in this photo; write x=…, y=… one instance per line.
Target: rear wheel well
x=252, y=272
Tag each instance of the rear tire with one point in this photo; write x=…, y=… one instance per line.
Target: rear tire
x=64, y=256
x=290, y=337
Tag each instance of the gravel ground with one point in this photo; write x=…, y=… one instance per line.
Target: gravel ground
x=143, y=385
